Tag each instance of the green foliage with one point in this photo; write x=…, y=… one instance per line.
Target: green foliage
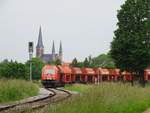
x=86, y=62
x=130, y=48
x=13, y=70
x=12, y=90
x=75, y=63
x=105, y=98
x=37, y=65
x=56, y=62
x=103, y=60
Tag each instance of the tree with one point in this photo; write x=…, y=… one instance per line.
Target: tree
x=103, y=60
x=37, y=65
x=74, y=62
x=86, y=63
x=130, y=47
x=58, y=62
x=13, y=70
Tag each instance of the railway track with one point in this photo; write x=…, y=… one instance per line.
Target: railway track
x=57, y=95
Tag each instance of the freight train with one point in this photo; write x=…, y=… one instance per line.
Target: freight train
x=55, y=76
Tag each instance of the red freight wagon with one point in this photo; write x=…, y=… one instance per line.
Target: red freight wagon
x=76, y=74
x=114, y=74
x=87, y=75
x=126, y=76
x=103, y=74
x=65, y=72
x=98, y=77
x=147, y=74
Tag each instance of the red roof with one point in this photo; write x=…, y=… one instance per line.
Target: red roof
x=76, y=70
x=88, y=71
x=103, y=71
x=50, y=67
x=147, y=71
x=126, y=73
x=114, y=71
x=65, y=69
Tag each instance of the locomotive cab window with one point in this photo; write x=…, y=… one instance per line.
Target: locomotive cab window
x=49, y=71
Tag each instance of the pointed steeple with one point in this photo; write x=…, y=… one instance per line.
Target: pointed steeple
x=53, y=52
x=60, y=52
x=39, y=47
x=53, y=48
x=40, y=42
x=60, y=49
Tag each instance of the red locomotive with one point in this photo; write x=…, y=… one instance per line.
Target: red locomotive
x=53, y=76
x=50, y=76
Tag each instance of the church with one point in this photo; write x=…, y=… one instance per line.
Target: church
x=47, y=57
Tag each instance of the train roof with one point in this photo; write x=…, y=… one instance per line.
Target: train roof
x=88, y=71
x=102, y=71
x=114, y=71
x=65, y=69
x=76, y=70
x=50, y=67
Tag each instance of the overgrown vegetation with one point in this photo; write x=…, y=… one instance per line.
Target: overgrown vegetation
x=78, y=87
x=103, y=60
x=12, y=90
x=105, y=98
x=14, y=70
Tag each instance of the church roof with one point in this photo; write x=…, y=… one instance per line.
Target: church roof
x=48, y=57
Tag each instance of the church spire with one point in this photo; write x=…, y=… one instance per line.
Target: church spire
x=39, y=47
x=40, y=42
x=60, y=52
x=53, y=52
x=53, y=48
x=60, y=48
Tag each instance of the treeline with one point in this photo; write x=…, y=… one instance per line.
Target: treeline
x=15, y=70
x=103, y=60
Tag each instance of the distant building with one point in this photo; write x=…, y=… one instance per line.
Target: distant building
x=47, y=57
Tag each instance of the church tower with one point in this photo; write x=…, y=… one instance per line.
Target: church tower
x=60, y=52
x=39, y=47
x=53, y=52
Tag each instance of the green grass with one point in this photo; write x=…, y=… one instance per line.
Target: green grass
x=78, y=87
x=13, y=90
x=105, y=98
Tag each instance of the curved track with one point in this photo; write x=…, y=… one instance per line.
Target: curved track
x=38, y=103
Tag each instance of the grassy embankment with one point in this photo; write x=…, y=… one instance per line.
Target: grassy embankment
x=78, y=87
x=13, y=90
x=104, y=98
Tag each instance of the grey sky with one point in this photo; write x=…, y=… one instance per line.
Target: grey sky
x=84, y=26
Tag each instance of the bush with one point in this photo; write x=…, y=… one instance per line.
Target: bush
x=13, y=70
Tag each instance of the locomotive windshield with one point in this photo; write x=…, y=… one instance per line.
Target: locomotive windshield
x=49, y=71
